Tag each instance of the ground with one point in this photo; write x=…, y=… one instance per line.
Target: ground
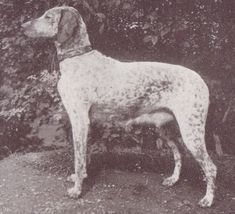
x=35, y=182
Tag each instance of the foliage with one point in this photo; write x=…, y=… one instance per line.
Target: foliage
x=197, y=34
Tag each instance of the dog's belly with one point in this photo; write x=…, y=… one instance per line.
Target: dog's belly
x=128, y=102
x=108, y=113
x=122, y=116
x=114, y=111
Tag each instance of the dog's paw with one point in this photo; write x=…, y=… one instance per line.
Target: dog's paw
x=170, y=181
x=206, y=201
x=71, y=178
x=74, y=192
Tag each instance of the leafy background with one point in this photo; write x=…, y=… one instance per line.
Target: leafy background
x=197, y=34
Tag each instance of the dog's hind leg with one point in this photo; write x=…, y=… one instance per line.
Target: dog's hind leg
x=192, y=128
x=170, y=181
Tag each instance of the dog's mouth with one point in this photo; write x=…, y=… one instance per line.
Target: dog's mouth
x=29, y=30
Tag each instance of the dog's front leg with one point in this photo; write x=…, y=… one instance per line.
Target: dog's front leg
x=80, y=125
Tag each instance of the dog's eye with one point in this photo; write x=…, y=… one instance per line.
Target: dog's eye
x=47, y=17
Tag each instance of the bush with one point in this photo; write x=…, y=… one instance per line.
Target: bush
x=197, y=34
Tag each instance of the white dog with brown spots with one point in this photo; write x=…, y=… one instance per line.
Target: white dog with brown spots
x=129, y=92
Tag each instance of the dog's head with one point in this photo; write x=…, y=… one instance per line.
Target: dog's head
x=61, y=23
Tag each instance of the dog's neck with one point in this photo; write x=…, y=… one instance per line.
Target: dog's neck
x=63, y=54
x=77, y=44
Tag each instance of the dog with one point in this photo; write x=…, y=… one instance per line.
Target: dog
x=130, y=92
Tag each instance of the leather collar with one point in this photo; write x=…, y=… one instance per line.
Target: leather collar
x=73, y=53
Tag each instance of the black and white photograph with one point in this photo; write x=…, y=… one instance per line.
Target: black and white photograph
x=117, y=107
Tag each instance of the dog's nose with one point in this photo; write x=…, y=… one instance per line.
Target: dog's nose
x=24, y=25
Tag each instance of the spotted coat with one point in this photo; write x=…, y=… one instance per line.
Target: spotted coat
x=93, y=86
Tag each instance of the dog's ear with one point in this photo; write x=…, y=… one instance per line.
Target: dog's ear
x=67, y=25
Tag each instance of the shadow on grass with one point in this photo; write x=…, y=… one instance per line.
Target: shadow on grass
x=60, y=162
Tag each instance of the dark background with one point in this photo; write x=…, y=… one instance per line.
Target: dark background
x=197, y=34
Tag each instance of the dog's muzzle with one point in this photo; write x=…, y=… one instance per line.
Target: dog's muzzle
x=28, y=29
